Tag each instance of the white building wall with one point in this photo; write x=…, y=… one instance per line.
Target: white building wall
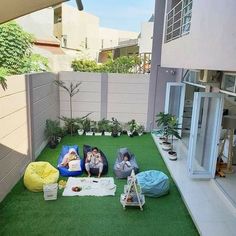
x=111, y=37
x=211, y=42
x=126, y=98
x=39, y=23
x=79, y=25
x=145, y=40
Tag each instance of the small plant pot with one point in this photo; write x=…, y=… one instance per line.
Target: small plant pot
x=172, y=155
x=89, y=133
x=80, y=131
x=98, y=134
x=129, y=133
x=162, y=139
x=107, y=133
x=166, y=146
x=52, y=144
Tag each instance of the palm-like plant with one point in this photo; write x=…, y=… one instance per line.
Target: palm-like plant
x=72, y=89
x=162, y=121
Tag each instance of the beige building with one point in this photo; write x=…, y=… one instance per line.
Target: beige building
x=81, y=35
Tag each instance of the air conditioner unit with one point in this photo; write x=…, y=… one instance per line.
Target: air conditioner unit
x=208, y=76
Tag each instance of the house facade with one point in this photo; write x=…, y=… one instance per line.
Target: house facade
x=196, y=40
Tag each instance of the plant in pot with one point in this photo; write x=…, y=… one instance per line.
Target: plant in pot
x=108, y=129
x=140, y=129
x=52, y=132
x=79, y=124
x=98, y=130
x=115, y=127
x=71, y=89
x=162, y=122
x=87, y=127
x=172, y=131
x=102, y=124
x=132, y=128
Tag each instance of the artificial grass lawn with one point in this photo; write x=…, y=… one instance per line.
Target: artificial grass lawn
x=26, y=213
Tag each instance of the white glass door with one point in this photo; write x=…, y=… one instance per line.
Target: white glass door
x=174, y=102
x=204, y=135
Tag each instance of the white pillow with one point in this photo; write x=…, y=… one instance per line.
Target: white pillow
x=74, y=165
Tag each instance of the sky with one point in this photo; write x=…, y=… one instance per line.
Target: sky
x=119, y=14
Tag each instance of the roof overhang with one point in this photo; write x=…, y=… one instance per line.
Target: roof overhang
x=11, y=9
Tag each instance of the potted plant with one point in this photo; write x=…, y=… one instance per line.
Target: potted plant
x=108, y=129
x=102, y=124
x=98, y=130
x=162, y=122
x=115, y=128
x=52, y=132
x=140, y=129
x=79, y=124
x=87, y=127
x=172, y=131
x=132, y=128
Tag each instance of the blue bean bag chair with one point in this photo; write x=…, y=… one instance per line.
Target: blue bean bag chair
x=124, y=172
x=94, y=171
x=153, y=183
x=64, y=171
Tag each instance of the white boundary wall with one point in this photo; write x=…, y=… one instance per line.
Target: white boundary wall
x=123, y=96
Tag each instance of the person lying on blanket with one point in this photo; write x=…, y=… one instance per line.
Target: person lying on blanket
x=70, y=156
x=94, y=160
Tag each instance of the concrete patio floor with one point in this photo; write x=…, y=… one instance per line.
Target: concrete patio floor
x=212, y=212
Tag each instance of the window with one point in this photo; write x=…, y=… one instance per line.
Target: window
x=192, y=76
x=229, y=82
x=178, y=20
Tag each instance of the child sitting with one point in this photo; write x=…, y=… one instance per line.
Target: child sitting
x=125, y=163
x=70, y=156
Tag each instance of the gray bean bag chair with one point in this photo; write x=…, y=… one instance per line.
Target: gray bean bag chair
x=153, y=183
x=123, y=171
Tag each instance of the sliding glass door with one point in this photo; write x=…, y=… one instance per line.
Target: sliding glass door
x=204, y=135
x=174, y=102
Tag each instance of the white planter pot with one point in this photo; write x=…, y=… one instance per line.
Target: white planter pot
x=129, y=133
x=166, y=146
x=89, y=133
x=172, y=155
x=107, y=133
x=98, y=134
x=80, y=131
x=140, y=134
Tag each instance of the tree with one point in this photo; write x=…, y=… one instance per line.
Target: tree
x=71, y=90
x=16, y=55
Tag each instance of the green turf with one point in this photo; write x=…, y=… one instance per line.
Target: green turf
x=26, y=213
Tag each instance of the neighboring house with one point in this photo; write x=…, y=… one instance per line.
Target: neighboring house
x=40, y=25
x=145, y=44
x=124, y=48
x=141, y=46
x=81, y=35
x=78, y=31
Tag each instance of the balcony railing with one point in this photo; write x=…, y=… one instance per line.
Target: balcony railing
x=178, y=20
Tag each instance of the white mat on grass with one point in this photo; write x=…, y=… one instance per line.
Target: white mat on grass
x=90, y=186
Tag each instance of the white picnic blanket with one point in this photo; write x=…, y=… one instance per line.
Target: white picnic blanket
x=90, y=186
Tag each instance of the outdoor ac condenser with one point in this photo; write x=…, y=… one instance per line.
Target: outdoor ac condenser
x=208, y=76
